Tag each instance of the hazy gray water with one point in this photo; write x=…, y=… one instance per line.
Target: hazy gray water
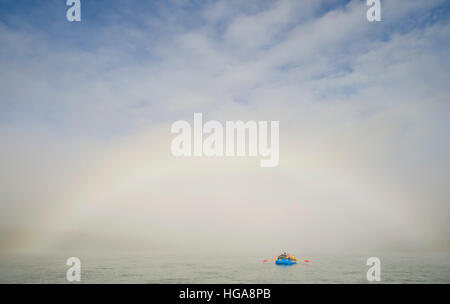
x=431, y=268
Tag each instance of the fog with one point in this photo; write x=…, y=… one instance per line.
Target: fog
x=363, y=108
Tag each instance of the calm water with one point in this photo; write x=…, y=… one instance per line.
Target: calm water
x=431, y=268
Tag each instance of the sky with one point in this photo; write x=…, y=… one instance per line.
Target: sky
x=86, y=109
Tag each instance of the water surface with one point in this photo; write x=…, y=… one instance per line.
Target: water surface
x=159, y=268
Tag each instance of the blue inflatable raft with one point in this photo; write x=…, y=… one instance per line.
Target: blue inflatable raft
x=285, y=262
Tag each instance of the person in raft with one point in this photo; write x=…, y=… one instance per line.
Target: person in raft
x=287, y=256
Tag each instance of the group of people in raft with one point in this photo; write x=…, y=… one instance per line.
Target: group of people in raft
x=286, y=256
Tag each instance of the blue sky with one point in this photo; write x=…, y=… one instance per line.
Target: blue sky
x=86, y=108
x=136, y=31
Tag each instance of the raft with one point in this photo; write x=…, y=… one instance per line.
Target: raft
x=285, y=262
